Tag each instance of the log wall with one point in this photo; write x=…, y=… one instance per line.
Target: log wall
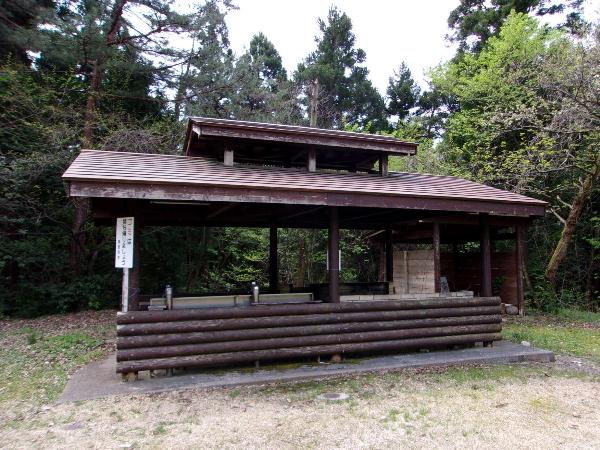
x=148, y=340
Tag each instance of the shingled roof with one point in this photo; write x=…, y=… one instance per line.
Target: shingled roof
x=167, y=177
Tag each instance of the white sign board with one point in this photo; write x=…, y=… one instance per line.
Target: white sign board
x=124, y=243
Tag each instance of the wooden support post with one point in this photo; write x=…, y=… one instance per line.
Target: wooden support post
x=436, y=258
x=134, y=273
x=125, y=290
x=311, y=161
x=389, y=256
x=520, y=267
x=383, y=165
x=486, y=257
x=334, y=258
x=228, y=155
x=406, y=273
x=273, y=266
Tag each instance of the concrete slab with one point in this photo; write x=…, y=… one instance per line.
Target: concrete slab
x=98, y=379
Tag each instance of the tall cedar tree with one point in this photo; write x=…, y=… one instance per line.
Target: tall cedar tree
x=336, y=82
x=402, y=93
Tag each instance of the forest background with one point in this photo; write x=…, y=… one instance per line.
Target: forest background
x=517, y=107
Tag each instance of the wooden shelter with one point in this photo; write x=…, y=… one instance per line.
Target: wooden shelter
x=246, y=174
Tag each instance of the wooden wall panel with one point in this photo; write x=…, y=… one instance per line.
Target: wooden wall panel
x=463, y=272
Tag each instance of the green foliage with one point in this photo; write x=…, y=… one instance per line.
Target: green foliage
x=522, y=124
x=579, y=316
x=473, y=22
x=504, y=78
x=267, y=58
x=345, y=94
x=491, y=115
x=402, y=92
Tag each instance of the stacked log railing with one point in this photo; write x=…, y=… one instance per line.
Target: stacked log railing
x=151, y=340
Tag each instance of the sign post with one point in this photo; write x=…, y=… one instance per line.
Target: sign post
x=124, y=255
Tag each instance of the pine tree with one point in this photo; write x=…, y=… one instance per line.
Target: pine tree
x=402, y=92
x=336, y=84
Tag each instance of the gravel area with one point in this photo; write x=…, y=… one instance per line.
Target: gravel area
x=526, y=407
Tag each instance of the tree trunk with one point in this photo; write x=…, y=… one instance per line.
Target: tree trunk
x=98, y=72
x=570, y=224
x=78, y=238
x=90, y=105
x=314, y=103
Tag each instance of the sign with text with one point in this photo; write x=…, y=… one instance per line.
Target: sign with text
x=124, y=242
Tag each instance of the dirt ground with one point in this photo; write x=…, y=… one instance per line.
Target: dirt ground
x=520, y=406
x=515, y=407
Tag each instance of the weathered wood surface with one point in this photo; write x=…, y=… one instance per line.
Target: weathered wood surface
x=214, y=336
x=486, y=258
x=168, y=177
x=128, y=342
x=305, y=319
x=292, y=310
x=240, y=129
x=436, y=258
x=333, y=240
x=301, y=341
x=218, y=359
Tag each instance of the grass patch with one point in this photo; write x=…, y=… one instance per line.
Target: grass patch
x=477, y=374
x=35, y=365
x=234, y=394
x=570, y=340
x=160, y=429
x=577, y=315
x=393, y=415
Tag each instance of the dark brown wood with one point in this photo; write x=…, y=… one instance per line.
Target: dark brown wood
x=486, y=258
x=301, y=341
x=303, y=309
x=334, y=139
x=127, y=342
x=307, y=319
x=273, y=263
x=436, y=257
x=383, y=165
x=285, y=353
x=520, y=267
x=221, y=210
x=334, y=258
x=389, y=256
x=281, y=194
x=134, y=273
x=167, y=177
